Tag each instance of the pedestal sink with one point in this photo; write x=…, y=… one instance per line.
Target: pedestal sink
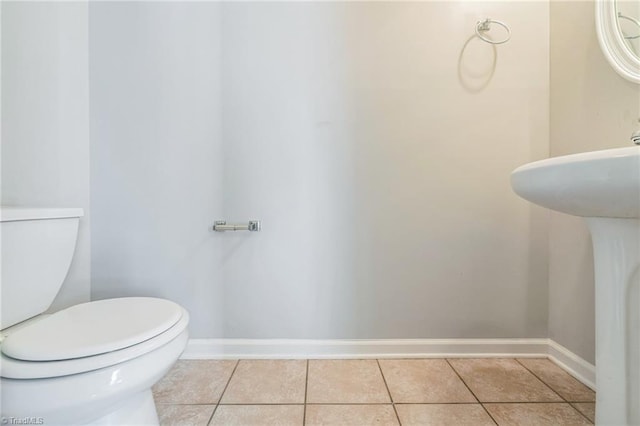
x=604, y=188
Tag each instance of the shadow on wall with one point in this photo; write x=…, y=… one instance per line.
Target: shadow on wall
x=477, y=64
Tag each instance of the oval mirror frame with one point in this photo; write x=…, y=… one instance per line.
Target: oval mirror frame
x=612, y=43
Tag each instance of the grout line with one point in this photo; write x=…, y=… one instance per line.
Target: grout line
x=263, y=403
x=389, y=403
x=474, y=395
x=223, y=391
x=306, y=386
x=583, y=415
x=462, y=380
x=541, y=381
x=525, y=402
x=553, y=390
x=389, y=392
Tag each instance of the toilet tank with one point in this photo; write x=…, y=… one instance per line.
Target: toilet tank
x=36, y=248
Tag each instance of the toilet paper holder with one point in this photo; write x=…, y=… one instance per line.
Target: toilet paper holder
x=222, y=226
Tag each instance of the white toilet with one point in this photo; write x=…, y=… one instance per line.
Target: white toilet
x=92, y=363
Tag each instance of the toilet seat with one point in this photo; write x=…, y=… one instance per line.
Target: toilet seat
x=167, y=323
x=92, y=328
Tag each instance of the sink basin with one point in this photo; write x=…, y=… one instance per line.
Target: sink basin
x=592, y=184
x=604, y=188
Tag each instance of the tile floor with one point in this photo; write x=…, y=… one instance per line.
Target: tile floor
x=372, y=392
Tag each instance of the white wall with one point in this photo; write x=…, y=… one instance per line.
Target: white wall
x=45, y=119
x=362, y=134
x=591, y=108
x=156, y=158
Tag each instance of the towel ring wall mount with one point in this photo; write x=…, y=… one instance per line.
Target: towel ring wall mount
x=484, y=26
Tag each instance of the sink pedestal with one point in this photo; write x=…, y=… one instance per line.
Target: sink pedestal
x=616, y=247
x=603, y=187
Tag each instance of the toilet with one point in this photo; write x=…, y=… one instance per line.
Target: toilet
x=92, y=363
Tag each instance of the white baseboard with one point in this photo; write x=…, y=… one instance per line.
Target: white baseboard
x=391, y=348
x=573, y=364
x=345, y=349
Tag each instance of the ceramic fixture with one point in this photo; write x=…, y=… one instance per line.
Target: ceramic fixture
x=603, y=187
x=92, y=363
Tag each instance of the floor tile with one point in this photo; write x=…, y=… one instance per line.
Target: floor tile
x=586, y=408
x=346, y=381
x=424, y=381
x=351, y=415
x=502, y=380
x=194, y=382
x=540, y=414
x=184, y=415
x=443, y=415
x=258, y=415
x=267, y=382
x=559, y=380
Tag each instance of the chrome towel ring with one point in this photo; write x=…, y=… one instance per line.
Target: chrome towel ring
x=484, y=26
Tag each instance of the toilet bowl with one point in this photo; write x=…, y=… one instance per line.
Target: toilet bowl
x=92, y=363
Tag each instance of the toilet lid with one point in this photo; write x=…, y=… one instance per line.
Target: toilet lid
x=92, y=328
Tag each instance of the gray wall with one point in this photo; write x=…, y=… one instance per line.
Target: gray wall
x=375, y=148
x=156, y=154
x=591, y=108
x=45, y=119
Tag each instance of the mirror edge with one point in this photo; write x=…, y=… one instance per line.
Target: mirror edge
x=611, y=43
